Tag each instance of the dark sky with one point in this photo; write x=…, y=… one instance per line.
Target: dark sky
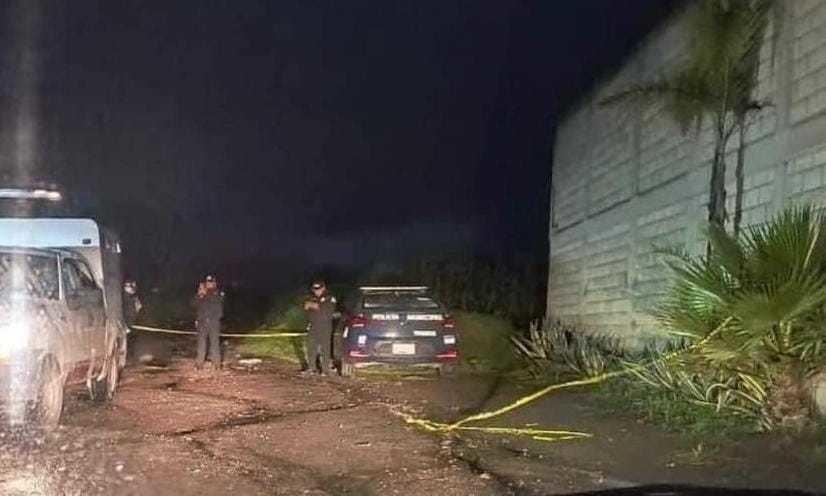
x=241, y=128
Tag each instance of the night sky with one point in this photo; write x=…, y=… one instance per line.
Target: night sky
x=322, y=131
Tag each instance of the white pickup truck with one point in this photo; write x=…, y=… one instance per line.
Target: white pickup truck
x=61, y=320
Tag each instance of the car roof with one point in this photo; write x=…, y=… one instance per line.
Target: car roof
x=50, y=232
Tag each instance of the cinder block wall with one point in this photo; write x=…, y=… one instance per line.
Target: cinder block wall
x=626, y=181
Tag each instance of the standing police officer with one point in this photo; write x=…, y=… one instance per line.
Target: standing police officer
x=209, y=308
x=320, y=308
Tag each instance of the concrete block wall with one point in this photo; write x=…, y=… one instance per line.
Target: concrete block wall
x=627, y=182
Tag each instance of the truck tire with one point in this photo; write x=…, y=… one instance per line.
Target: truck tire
x=48, y=404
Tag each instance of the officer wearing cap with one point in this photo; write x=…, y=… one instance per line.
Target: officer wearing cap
x=209, y=308
x=320, y=308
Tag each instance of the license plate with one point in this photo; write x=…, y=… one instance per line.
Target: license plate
x=404, y=349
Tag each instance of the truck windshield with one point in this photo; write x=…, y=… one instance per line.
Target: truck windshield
x=28, y=276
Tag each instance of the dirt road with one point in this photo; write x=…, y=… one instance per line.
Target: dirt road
x=269, y=430
x=180, y=431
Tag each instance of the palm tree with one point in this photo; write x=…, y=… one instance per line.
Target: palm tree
x=762, y=294
x=716, y=82
x=747, y=23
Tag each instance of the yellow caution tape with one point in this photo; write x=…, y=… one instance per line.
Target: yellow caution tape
x=538, y=434
x=460, y=425
x=223, y=335
x=541, y=434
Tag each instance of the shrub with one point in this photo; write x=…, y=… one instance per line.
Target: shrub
x=484, y=341
x=755, y=305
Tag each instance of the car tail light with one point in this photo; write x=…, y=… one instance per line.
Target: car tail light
x=448, y=354
x=449, y=322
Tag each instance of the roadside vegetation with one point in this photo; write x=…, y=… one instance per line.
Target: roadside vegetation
x=485, y=343
x=714, y=87
x=745, y=335
x=743, y=320
x=558, y=351
x=286, y=315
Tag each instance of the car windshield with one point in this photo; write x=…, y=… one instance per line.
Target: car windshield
x=399, y=301
x=28, y=276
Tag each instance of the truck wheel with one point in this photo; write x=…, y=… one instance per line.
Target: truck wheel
x=48, y=404
x=347, y=369
x=104, y=389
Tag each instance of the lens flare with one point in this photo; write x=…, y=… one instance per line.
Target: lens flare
x=14, y=338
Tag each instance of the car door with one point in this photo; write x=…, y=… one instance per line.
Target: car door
x=84, y=300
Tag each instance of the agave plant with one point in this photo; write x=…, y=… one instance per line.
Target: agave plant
x=764, y=290
x=561, y=347
x=672, y=369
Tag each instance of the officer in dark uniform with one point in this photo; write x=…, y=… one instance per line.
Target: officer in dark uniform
x=321, y=309
x=209, y=308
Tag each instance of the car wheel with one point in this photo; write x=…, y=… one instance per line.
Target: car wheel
x=48, y=404
x=347, y=369
x=447, y=370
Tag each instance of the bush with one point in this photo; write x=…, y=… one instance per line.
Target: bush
x=484, y=342
x=754, y=306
